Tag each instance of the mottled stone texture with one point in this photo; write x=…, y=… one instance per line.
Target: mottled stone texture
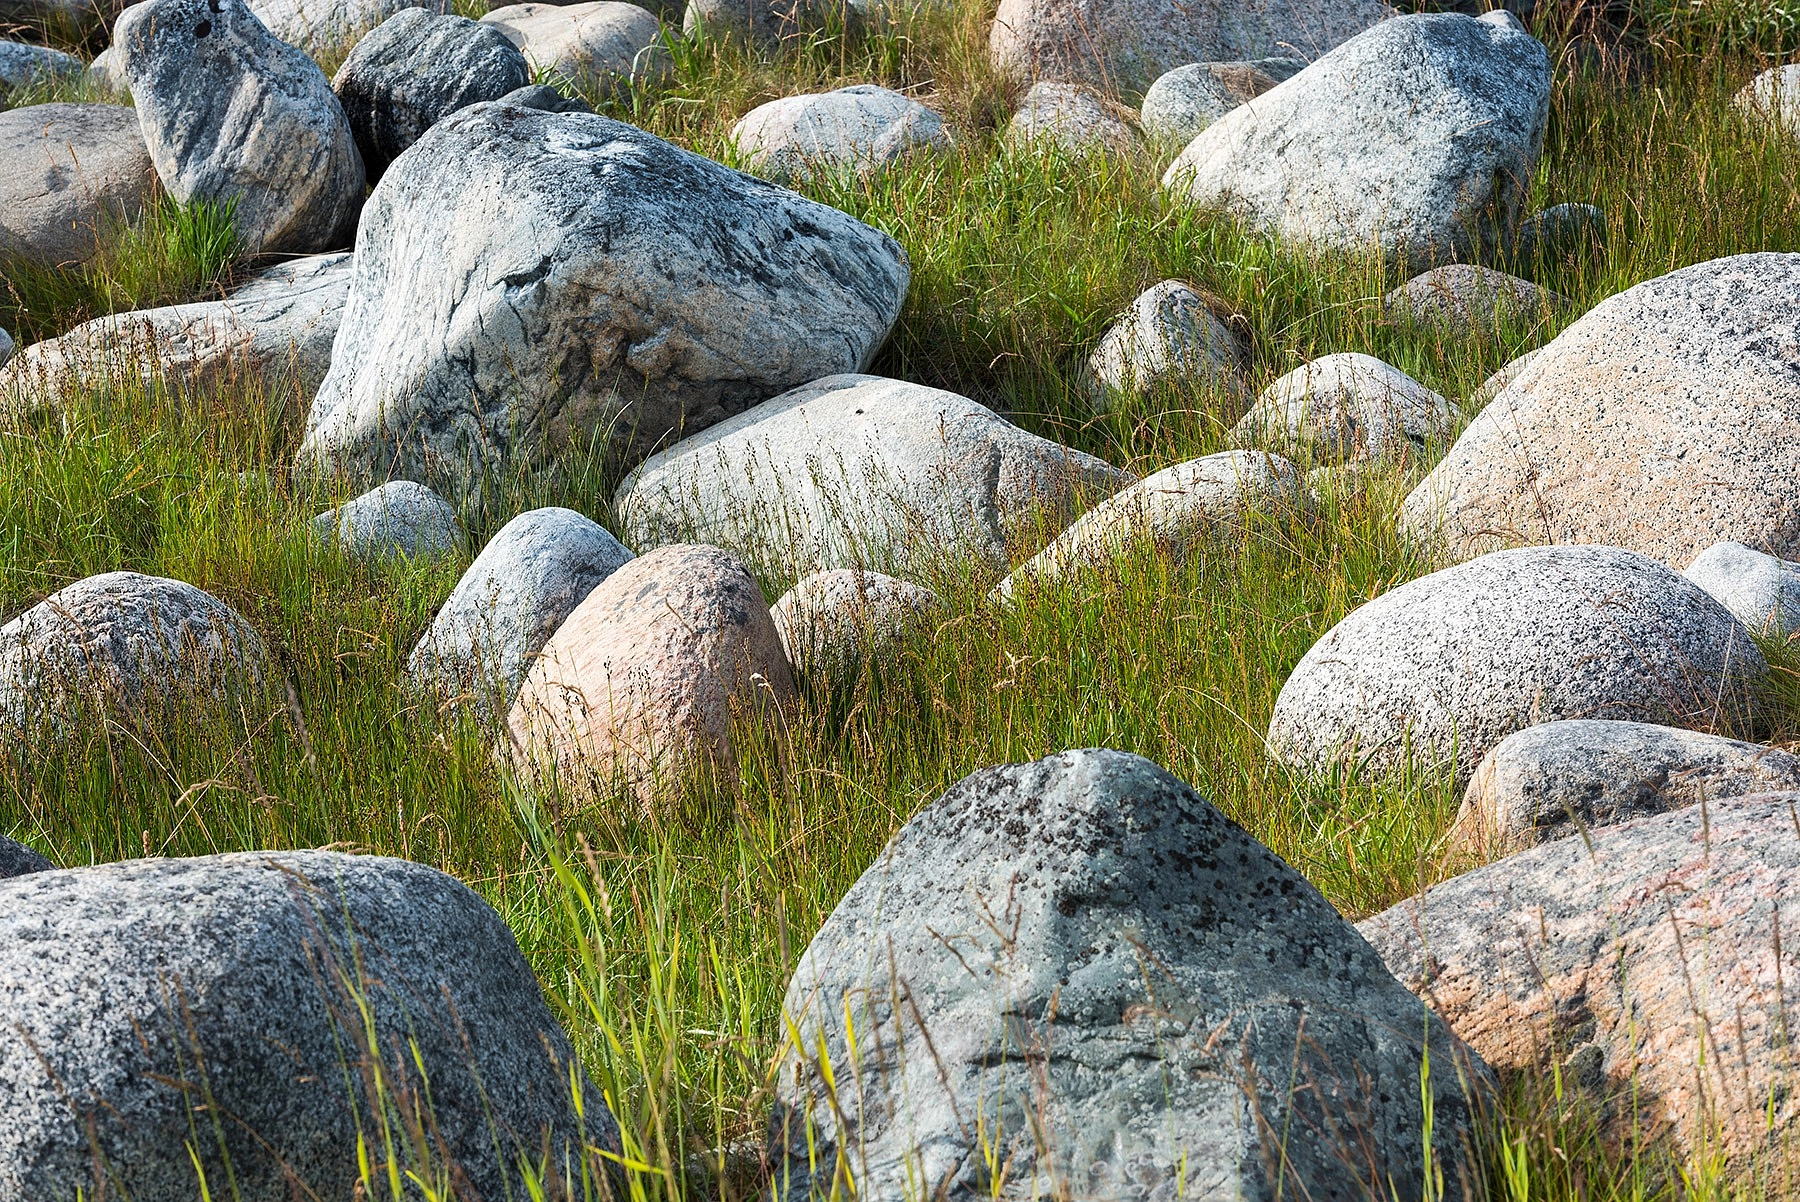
x=71, y=170
x=1183, y=102
x=1347, y=406
x=1169, y=335
x=1079, y=970
x=327, y=24
x=146, y=999
x=524, y=278
x=861, y=130
x=402, y=518
x=600, y=44
x=831, y=623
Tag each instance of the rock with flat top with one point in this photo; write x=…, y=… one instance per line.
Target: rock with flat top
x=1076, y=119
x=1183, y=102
x=861, y=130
x=1168, y=336
x=1347, y=407
x=601, y=44
x=74, y=172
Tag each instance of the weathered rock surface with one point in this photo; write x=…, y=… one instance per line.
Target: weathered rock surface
x=1467, y=300
x=1183, y=102
x=126, y=642
x=766, y=23
x=523, y=585
x=1561, y=779
x=1646, y=960
x=546, y=98
x=1127, y=44
x=1445, y=666
x=830, y=623
x=1773, y=97
x=1501, y=380
x=601, y=283
x=860, y=471
x=234, y=116
x=7, y=348
x=1075, y=118
x=1763, y=591
x=1560, y=232
x=22, y=63
x=1168, y=336
x=16, y=859
x=416, y=68
x=639, y=688
x=277, y=326
x=863, y=130
x=1669, y=465
x=282, y=981
x=1347, y=406
x=400, y=519
x=71, y=170
x=328, y=24
x=1415, y=140
x=1127, y=988
x=601, y=43
x=1172, y=511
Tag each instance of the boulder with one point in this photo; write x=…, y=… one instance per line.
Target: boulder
x=61, y=19
x=107, y=73
x=831, y=623
x=523, y=585
x=1773, y=99
x=413, y=70
x=282, y=994
x=546, y=98
x=1168, y=336
x=16, y=859
x=1172, y=511
x=1442, y=668
x=1079, y=974
x=859, y=471
x=1183, y=102
x=1127, y=44
x=861, y=130
x=639, y=689
x=768, y=23
x=277, y=327
x=400, y=520
x=1763, y=591
x=1075, y=119
x=596, y=282
x=1469, y=301
x=22, y=64
x=234, y=116
x=599, y=44
x=331, y=25
x=125, y=642
x=7, y=348
x=1561, y=779
x=1560, y=232
x=73, y=171
x=1347, y=406
x=1644, y=961
x=1669, y=465
x=1414, y=141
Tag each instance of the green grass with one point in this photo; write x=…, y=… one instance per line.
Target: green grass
x=666, y=937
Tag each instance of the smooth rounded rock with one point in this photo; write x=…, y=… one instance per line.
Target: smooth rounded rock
x=1123, y=985
x=23, y=64
x=1442, y=668
x=1347, y=406
x=73, y=172
x=237, y=117
x=639, y=689
x=599, y=283
x=768, y=23
x=1168, y=336
x=1631, y=429
x=832, y=622
x=413, y=70
x=1763, y=591
x=547, y=99
x=1183, y=102
x=16, y=859
x=602, y=43
x=279, y=986
x=1467, y=300
x=401, y=519
x=1074, y=118
x=520, y=589
x=324, y=26
x=862, y=130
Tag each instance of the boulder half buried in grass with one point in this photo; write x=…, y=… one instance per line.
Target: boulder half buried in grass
x=400, y=520
x=1078, y=974
x=73, y=171
x=832, y=622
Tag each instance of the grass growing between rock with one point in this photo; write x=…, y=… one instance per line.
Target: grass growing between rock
x=667, y=937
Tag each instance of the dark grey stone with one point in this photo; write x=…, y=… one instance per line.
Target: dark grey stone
x=16, y=859
x=547, y=99
x=1560, y=232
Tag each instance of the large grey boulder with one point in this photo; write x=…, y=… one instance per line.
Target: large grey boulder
x=1414, y=141
x=1075, y=118
x=234, y=116
x=400, y=520
x=1347, y=406
x=1168, y=336
x=861, y=130
x=1126, y=44
x=271, y=991
x=22, y=64
x=831, y=623
x=124, y=642
x=1641, y=961
x=416, y=68
x=1442, y=668
x=1562, y=779
x=324, y=26
x=276, y=328
x=1763, y=591
x=600, y=44
x=16, y=859
x=641, y=687
x=860, y=471
x=1466, y=300
x=73, y=170
x=601, y=284
x=1668, y=466
x=1183, y=102
x=1129, y=991
x=524, y=584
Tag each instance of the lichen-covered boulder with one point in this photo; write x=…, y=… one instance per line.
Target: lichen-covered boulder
x=72, y=171
x=1347, y=406
x=861, y=130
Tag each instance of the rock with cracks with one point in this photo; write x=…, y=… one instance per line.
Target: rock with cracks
x=525, y=279
x=1079, y=971
x=1347, y=406
x=279, y=987
x=862, y=130
x=1763, y=591
x=1442, y=668
x=73, y=172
